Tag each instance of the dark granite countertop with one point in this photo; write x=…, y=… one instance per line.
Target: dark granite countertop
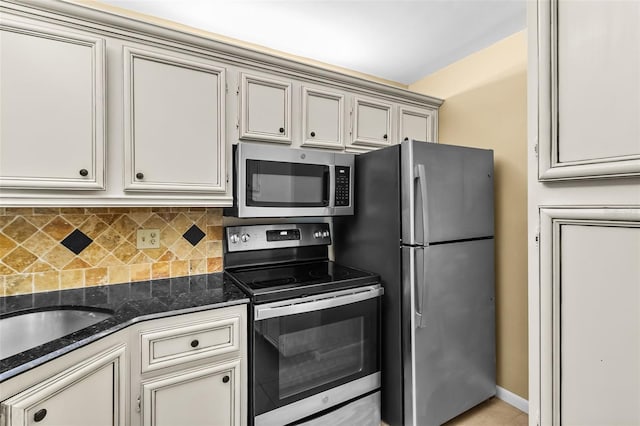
x=130, y=303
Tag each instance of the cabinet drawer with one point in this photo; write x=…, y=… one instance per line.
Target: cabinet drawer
x=169, y=346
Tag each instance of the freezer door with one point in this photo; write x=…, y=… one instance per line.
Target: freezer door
x=447, y=193
x=453, y=341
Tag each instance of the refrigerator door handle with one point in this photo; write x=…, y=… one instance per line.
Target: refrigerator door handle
x=419, y=289
x=419, y=170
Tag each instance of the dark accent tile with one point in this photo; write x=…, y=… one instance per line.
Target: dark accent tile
x=193, y=235
x=179, y=285
x=197, y=283
x=19, y=302
x=49, y=298
x=118, y=293
x=160, y=288
x=96, y=295
x=76, y=241
x=140, y=290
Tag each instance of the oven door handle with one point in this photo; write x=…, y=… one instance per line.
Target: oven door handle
x=316, y=302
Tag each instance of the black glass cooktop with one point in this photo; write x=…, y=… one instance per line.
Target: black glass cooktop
x=268, y=283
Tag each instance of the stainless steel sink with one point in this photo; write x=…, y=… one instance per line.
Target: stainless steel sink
x=25, y=331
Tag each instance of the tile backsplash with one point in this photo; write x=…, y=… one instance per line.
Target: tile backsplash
x=44, y=249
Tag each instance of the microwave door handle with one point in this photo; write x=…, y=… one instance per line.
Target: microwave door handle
x=316, y=303
x=422, y=181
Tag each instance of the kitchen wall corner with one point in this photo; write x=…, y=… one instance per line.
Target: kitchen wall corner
x=44, y=249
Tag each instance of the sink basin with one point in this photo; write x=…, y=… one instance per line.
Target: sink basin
x=25, y=331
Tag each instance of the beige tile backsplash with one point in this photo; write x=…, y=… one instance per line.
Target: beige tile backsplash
x=33, y=259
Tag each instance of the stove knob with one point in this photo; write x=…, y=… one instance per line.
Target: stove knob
x=245, y=238
x=234, y=238
x=317, y=234
x=325, y=234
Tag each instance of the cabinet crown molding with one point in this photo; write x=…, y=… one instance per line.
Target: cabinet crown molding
x=95, y=17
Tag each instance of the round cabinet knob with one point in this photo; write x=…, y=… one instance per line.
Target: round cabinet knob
x=313, y=134
x=40, y=415
x=406, y=139
x=84, y=172
x=139, y=175
x=384, y=136
x=234, y=238
x=225, y=379
x=194, y=343
x=325, y=234
x=281, y=129
x=317, y=234
x=245, y=238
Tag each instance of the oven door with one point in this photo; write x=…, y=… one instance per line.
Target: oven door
x=312, y=353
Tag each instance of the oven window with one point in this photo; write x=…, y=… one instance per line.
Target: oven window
x=296, y=356
x=281, y=184
x=319, y=355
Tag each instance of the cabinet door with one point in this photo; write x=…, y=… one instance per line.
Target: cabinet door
x=371, y=123
x=202, y=396
x=265, y=109
x=416, y=124
x=91, y=393
x=174, y=122
x=51, y=108
x=322, y=118
x=589, y=51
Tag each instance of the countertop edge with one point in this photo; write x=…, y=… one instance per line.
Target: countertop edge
x=9, y=374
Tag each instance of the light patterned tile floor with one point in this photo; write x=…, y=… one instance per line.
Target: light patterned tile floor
x=493, y=412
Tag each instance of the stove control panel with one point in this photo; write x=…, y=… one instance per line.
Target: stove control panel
x=262, y=237
x=283, y=234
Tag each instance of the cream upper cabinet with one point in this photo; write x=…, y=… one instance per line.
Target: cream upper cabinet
x=89, y=393
x=100, y=109
x=416, y=123
x=372, y=125
x=52, y=107
x=322, y=118
x=265, y=109
x=174, y=108
x=589, y=53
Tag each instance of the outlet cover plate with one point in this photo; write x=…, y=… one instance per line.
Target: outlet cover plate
x=148, y=239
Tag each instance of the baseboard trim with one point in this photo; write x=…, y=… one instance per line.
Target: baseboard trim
x=512, y=399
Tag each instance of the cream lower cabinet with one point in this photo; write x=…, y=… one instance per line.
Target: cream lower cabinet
x=207, y=395
x=191, y=370
x=90, y=393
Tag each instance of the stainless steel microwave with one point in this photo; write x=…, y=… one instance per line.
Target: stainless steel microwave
x=275, y=181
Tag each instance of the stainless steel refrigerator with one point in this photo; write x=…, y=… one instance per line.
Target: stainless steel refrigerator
x=424, y=221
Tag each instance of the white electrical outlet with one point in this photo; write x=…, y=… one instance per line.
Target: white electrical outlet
x=148, y=239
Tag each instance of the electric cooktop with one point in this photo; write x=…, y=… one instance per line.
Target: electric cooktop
x=284, y=281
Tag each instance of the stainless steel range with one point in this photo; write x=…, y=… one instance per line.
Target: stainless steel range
x=315, y=327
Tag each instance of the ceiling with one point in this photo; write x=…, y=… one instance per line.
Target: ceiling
x=398, y=40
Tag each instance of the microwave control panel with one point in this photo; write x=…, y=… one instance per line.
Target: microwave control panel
x=342, y=186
